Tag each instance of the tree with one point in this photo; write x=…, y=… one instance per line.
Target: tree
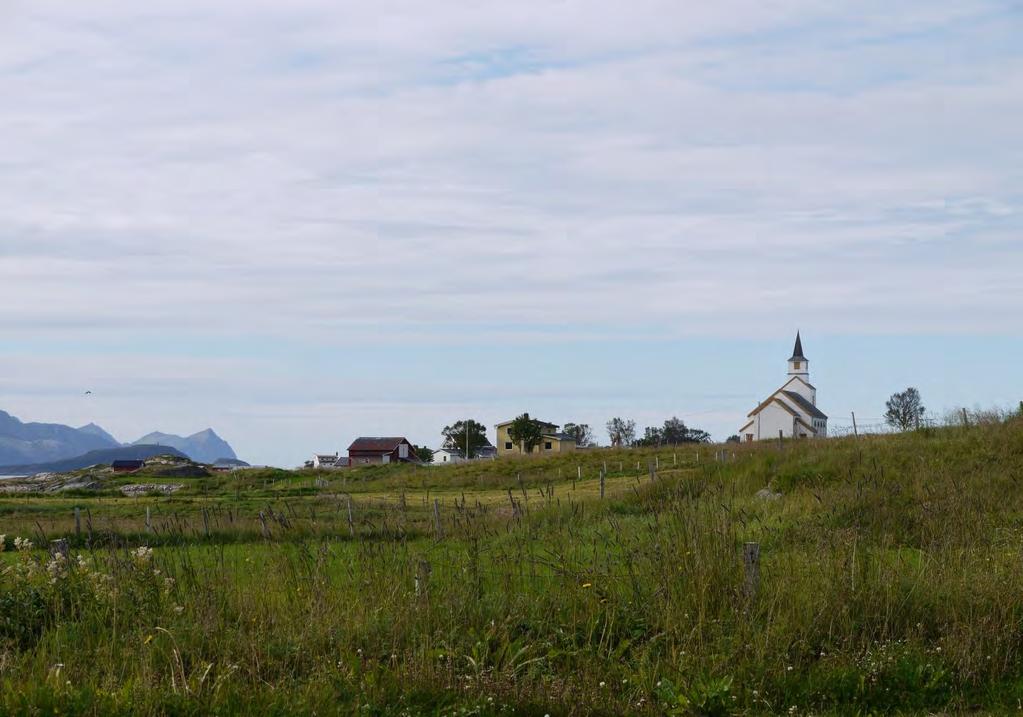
x=651, y=437
x=904, y=410
x=580, y=432
x=527, y=432
x=425, y=454
x=734, y=438
x=674, y=431
x=455, y=437
x=622, y=432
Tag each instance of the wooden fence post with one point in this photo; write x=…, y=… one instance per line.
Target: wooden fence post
x=78, y=521
x=602, y=478
x=351, y=518
x=780, y=434
x=856, y=433
x=423, y=571
x=149, y=524
x=751, y=561
x=436, y=519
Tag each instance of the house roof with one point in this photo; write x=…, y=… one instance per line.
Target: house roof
x=560, y=436
x=128, y=463
x=545, y=424
x=804, y=404
x=797, y=350
x=382, y=444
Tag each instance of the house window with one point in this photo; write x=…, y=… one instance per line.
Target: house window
x=548, y=446
x=797, y=364
x=508, y=446
x=749, y=437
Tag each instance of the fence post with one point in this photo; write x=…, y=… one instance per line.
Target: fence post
x=78, y=521
x=856, y=432
x=59, y=547
x=602, y=477
x=149, y=524
x=351, y=518
x=780, y=433
x=423, y=571
x=751, y=561
x=579, y=472
x=262, y=523
x=436, y=518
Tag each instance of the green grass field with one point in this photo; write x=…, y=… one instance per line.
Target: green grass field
x=890, y=580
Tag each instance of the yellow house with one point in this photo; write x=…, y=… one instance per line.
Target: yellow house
x=552, y=441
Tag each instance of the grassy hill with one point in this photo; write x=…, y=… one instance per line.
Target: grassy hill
x=888, y=580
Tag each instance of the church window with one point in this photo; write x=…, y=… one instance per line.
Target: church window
x=797, y=364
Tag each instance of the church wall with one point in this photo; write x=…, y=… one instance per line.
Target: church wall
x=772, y=419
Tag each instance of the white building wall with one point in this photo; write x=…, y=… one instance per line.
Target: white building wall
x=772, y=419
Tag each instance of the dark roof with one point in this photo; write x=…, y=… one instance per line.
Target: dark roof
x=126, y=463
x=797, y=351
x=560, y=436
x=384, y=445
x=804, y=404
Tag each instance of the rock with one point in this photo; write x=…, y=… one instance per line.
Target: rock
x=145, y=488
x=767, y=494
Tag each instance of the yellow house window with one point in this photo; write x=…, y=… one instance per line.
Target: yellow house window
x=548, y=446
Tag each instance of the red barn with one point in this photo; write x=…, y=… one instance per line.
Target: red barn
x=370, y=451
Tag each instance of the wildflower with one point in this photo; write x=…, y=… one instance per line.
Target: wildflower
x=587, y=585
x=22, y=544
x=142, y=554
x=178, y=609
x=603, y=684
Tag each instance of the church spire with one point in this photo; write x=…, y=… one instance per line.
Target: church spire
x=797, y=351
x=798, y=364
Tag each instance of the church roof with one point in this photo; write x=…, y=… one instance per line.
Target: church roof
x=797, y=350
x=803, y=404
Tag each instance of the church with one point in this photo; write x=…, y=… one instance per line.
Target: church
x=791, y=411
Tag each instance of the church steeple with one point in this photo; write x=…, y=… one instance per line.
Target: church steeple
x=798, y=365
x=797, y=351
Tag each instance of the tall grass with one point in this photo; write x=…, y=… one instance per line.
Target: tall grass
x=890, y=581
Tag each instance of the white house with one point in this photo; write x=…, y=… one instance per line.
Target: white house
x=328, y=461
x=443, y=456
x=791, y=411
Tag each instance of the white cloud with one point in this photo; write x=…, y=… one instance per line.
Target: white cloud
x=534, y=171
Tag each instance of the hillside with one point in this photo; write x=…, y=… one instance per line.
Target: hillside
x=204, y=446
x=886, y=580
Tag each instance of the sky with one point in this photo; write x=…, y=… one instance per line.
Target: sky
x=307, y=221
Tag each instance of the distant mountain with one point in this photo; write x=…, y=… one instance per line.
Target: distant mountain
x=94, y=430
x=41, y=442
x=92, y=458
x=204, y=446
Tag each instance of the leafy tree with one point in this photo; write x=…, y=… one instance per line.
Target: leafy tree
x=580, y=432
x=904, y=410
x=695, y=435
x=651, y=437
x=622, y=432
x=455, y=437
x=674, y=431
x=527, y=432
x=425, y=454
x=734, y=438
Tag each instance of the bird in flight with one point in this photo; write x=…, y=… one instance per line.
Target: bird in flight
x=88, y=393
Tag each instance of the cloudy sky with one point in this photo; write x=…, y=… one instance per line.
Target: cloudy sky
x=300, y=222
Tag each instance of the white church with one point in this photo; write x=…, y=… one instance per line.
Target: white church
x=791, y=411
